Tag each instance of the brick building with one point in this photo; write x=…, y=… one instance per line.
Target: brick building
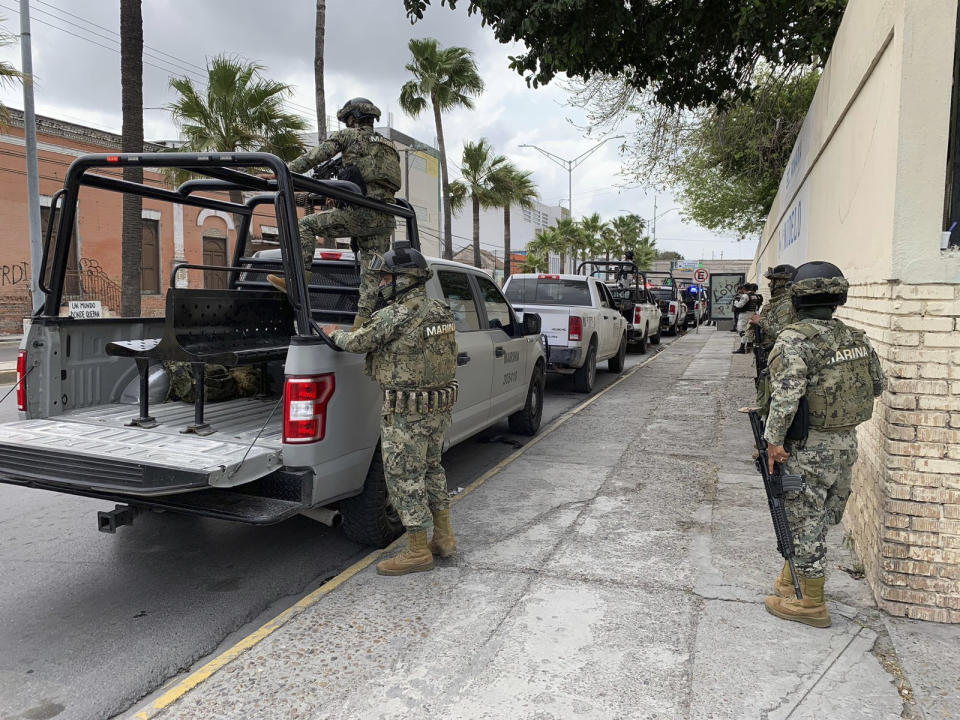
x=873, y=185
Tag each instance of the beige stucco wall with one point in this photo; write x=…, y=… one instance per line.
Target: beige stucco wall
x=865, y=189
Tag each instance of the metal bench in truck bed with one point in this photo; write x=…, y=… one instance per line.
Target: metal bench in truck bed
x=223, y=327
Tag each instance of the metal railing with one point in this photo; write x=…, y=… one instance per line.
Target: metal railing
x=93, y=283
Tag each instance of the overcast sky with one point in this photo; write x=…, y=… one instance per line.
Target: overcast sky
x=366, y=49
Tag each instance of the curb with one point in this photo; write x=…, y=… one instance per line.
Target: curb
x=181, y=688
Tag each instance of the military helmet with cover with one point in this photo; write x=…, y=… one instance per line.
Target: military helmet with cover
x=402, y=259
x=359, y=108
x=818, y=284
x=780, y=272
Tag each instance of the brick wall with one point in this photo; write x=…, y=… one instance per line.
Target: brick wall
x=13, y=308
x=904, y=514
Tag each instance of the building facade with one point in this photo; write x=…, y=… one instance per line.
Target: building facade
x=873, y=185
x=525, y=223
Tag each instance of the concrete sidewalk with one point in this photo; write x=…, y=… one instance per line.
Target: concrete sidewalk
x=615, y=569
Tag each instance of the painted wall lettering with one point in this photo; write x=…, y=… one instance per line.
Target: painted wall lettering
x=15, y=274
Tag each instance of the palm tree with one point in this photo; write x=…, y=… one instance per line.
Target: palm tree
x=131, y=102
x=515, y=187
x=479, y=167
x=575, y=240
x=593, y=229
x=8, y=73
x=548, y=240
x=240, y=110
x=446, y=78
x=318, y=70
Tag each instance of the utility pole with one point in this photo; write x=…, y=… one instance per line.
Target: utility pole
x=33, y=171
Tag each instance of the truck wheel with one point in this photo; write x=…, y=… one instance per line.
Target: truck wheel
x=527, y=421
x=642, y=345
x=615, y=364
x=672, y=330
x=368, y=518
x=585, y=375
x=655, y=339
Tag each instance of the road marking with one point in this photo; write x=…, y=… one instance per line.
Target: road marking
x=184, y=686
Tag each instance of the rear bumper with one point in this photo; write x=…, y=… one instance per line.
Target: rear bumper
x=261, y=502
x=560, y=358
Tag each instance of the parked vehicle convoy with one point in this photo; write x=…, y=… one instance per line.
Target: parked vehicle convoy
x=663, y=287
x=579, y=320
x=628, y=286
x=308, y=442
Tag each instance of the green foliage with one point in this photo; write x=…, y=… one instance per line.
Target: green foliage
x=8, y=73
x=513, y=186
x=548, y=240
x=446, y=77
x=735, y=158
x=479, y=167
x=668, y=255
x=689, y=54
x=240, y=110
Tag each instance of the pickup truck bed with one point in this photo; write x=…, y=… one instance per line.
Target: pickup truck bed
x=93, y=447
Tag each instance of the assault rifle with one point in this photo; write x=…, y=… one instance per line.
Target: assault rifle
x=776, y=485
x=760, y=354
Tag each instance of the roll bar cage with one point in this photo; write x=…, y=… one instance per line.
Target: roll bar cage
x=220, y=173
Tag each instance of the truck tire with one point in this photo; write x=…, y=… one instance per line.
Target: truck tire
x=585, y=375
x=672, y=330
x=527, y=421
x=655, y=339
x=642, y=344
x=615, y=364
x=368, y=518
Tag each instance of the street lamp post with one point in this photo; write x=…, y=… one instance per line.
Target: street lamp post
x=571, y=164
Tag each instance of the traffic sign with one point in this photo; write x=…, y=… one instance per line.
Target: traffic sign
x=701, y=275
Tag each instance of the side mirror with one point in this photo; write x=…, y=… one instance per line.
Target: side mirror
x=531, y=324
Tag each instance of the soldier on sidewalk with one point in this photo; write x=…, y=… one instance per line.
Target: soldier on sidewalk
x=412, y=353
x=366, y=153
x=776, y=315
x=835, y=369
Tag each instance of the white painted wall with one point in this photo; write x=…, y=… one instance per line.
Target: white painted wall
x=864, y=187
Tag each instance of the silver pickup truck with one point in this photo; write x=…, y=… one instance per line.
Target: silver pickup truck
x=94, y=420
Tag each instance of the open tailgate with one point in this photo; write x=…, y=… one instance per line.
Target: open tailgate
x=129, y=460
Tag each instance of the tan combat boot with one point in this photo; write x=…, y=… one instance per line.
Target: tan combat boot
x=783, y=585
x=812, y=610
x=413, y=558
x=443, y=543
x=281, y=283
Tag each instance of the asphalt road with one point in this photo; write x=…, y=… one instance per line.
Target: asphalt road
x=91, y=623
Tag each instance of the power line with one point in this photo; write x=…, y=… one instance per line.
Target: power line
x=168, y=67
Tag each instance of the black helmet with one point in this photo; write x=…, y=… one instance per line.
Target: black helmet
x=780, y=272
x=628, y=255
x=401, y=260
x=359, y=108
x=818, y=284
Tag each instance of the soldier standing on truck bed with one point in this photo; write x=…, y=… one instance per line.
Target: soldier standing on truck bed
x=411, y=351
x=827, y=373
x=368, y=154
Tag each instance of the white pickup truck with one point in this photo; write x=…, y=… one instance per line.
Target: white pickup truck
x=91, y=395
x=579, y=319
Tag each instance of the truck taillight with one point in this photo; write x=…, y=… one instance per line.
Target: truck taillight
x=637, y=317
x=673, y=307
x=305, y=401
x=21, y=382
x=548, y=277
x=575, y=328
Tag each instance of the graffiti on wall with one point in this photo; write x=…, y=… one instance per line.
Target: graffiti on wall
x=15, y=274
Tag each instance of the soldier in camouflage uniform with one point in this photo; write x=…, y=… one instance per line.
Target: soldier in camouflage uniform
x=834, y=367
x=378, y=162
x=776, y=315
x=412, y=353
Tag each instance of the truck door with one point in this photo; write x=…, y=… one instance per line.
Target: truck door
x=474, y=356
x=508, y=390
x=606, y=324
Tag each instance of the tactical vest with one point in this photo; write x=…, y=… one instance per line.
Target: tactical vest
x=839, y=388
x=753, y=303
x=424, y=357
x=376, y=158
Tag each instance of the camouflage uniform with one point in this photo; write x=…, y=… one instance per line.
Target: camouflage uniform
x=219, y=382
x=379, y=164
x=776, y=315
x=835, y=367
x=411, y=346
